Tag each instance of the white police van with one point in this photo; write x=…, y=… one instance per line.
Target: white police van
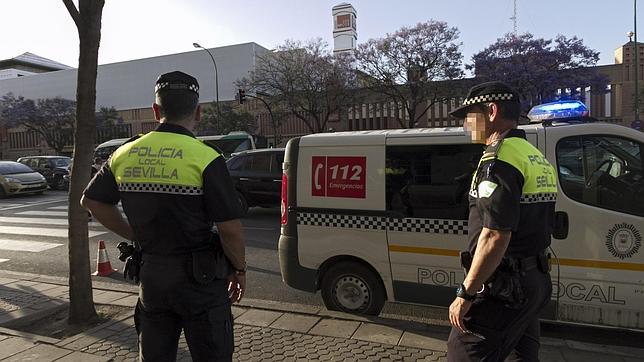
x=381, y=215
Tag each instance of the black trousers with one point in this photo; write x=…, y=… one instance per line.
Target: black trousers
x=171, y=301
x=501, y=333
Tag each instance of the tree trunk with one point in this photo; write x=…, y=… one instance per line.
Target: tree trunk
x=88, y=22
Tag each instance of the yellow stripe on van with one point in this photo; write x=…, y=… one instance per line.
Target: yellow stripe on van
x=600, y=264
x=565, y=262
x=419, y=250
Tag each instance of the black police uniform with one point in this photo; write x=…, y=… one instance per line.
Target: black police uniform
x=513, y=189
x=502, y=328
x=172, y=223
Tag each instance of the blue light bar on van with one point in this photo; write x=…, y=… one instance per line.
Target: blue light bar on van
x=558, y=110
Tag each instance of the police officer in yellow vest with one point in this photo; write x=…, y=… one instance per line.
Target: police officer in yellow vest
x=173, y=188
x=511, y=199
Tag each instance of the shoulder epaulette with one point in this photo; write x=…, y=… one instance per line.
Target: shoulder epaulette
x=133, y=138
x=492, y=151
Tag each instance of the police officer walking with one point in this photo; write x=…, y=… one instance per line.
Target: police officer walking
x=173, y=188
x=511, y=202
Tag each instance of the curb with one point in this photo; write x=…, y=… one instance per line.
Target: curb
x=266, y=305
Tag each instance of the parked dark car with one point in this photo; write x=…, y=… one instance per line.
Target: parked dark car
x=257, y=176
x=54, y=168
x=16, y=178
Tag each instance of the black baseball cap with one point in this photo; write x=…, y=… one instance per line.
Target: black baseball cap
x=176, y=81
x=485, y=93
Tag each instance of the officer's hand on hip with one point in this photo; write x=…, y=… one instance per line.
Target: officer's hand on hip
x=236, y=286
x=457, y=311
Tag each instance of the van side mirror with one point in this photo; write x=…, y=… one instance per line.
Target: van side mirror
x=560, y=230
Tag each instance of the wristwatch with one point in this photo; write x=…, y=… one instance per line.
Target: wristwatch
x=461, y=293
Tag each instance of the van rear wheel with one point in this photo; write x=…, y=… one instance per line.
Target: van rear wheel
x=352, y=288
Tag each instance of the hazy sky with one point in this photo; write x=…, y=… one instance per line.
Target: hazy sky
x=135, y=29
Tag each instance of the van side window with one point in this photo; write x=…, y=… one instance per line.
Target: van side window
x=276, y=164
x=261, y=163
x=236, y=163
x=602, y=171
x=430, y=181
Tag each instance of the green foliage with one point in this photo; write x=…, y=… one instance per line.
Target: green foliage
x=52, y=118
x=228, y=120
x=106, y=117
x=305, y=79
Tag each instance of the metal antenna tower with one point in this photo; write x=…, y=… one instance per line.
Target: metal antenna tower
x=514, y=18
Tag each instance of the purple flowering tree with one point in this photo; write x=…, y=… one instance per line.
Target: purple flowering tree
x=303, y=79
x=406, y=67
x=51, y=118
x=539, y=68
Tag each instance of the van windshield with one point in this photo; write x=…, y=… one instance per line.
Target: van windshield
x=105, y=152
x=230, y=146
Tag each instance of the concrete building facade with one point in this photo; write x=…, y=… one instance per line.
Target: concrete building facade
x=129, y=88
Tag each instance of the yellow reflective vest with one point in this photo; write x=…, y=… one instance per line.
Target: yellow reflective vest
x=162, y=162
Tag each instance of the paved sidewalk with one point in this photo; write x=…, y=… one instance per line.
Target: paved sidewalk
x=264, y=331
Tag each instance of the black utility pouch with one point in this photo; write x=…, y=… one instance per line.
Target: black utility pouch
x=543, y=263
x=204, y=266
x=505, y=285
x=211, y=264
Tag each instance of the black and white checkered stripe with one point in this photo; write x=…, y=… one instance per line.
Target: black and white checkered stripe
x=342, y=221
x=180, y=86
x=540, y=197
x=456, y=227
x=437, y=226
x=488, y=98
x=160, y=188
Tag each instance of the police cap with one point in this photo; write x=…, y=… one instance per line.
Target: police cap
x=485, y=93
x=177, y=81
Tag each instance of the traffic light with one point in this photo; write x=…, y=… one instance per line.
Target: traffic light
x=242, y=96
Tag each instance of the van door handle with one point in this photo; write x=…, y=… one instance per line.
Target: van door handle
x=243, y=179
x=560, y=230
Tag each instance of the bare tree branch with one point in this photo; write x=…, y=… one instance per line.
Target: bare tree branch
x=73, y=12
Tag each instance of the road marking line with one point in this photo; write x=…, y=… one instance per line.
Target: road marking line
x=65, y=207
x=22, y=245
x=43, y=213
x=32, y=205
x=54, y=233
x=33, y=220
x=40, y=220
x=3, y=260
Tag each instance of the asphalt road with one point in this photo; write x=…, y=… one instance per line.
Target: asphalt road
x=33, y=239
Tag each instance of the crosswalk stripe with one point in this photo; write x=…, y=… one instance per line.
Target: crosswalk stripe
x=39, y=220
x=64, y=207
x=22, y=245
x=43, y=213
x=54, y=233
x=3, y=260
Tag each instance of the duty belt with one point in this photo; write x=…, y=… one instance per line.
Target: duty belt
x=530, y=262
x=173, y=259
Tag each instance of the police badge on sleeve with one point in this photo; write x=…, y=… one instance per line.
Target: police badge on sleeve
x=623, y=240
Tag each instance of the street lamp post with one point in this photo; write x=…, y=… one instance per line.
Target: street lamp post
x=270, y=113
x=196, y=45
x=637, y=89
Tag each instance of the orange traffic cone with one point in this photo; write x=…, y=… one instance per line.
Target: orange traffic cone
x=104, y=267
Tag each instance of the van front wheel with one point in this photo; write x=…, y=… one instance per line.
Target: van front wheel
x=352, y=288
